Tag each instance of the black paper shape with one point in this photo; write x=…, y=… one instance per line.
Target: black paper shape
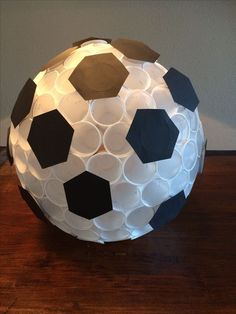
x=99, y=76
x=136, y=50
x=202, y=157
x=168, y=210
x=32, y=204
x=88, y=195
x=50, y=138
x=58, y=59
x=9, y=150
x=23, y=103
x=181, y=89
x=152, y=135
x=80, y=42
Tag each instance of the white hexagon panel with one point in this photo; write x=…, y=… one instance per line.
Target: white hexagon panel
x=106, y=142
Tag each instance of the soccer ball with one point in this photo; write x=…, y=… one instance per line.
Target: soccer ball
x=106, y=142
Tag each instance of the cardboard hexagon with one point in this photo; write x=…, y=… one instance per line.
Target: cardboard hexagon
x=50, y=138
x=88, y=195
x=99, y=76
x=80, y=42
x=181, y=89
x=168, y=210
x=152, y=135
x=32, y=204
x=135, y=49
x=23, y=103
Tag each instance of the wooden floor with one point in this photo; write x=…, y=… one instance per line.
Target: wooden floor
x=187, y=267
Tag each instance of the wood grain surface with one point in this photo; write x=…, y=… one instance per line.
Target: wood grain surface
x=189, y=266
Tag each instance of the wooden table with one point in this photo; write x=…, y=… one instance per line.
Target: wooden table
x=187, y=267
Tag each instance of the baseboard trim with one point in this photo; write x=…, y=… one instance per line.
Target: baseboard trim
x=220, y=152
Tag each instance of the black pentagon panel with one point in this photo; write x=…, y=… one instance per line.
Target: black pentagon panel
x=99, y=76
x=58, y=59
x=50, y=138
x=168, y=210
x=80, y=42
x=9, y=148
x=88, y=195
x=136, y=50
x=181, y=89
x=32, y=204
x=152, y=135
x=23, y=103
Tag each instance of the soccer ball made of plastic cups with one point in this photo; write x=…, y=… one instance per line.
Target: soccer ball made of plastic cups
x=106, y=142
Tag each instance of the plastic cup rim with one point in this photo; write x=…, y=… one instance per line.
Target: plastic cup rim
x=146, y=203
x=135, y=183
x=104, y=141
x=148, y=84
x=102, y=154
x=80, y=154
x=102, y=124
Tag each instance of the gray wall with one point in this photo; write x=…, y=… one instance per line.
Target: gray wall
x=196, y=37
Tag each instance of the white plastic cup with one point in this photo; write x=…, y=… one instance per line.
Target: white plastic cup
x=54, y=211
x=110, y=221
x=183, y=126
x=188, y=189
x=155, y=71
x=20, y=159
x=106, y=166
x=114, y=139
x=116, y=235
x=138, y=100
x=189, y=155
x=106, y=111
x=24, y=129
x=43, y=103
x=179, y=182
x=125, y=196
x=55, y=192
x=136, y=172
x=46, y=83
x=139, y=232
x=14, y=134
x=73, y=167
x=62, y=84
x=200, y=140
x=77, y=222
x=155, y=192
x=164, y=100
x=192, y=118
x=86, y=235
x=193, y=173
x=21, y=178
x=94, y=41
x=137, y=79
x=33, y=184
x=139, y=217
x=169, y=168
x=124, y=93
x=86, y=139
x=39, y=76
x=75, y=58
x=35, y=168
x=73, y=107
x=131, y=62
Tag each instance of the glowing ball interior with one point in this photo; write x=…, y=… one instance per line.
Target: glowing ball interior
x=106, y=142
